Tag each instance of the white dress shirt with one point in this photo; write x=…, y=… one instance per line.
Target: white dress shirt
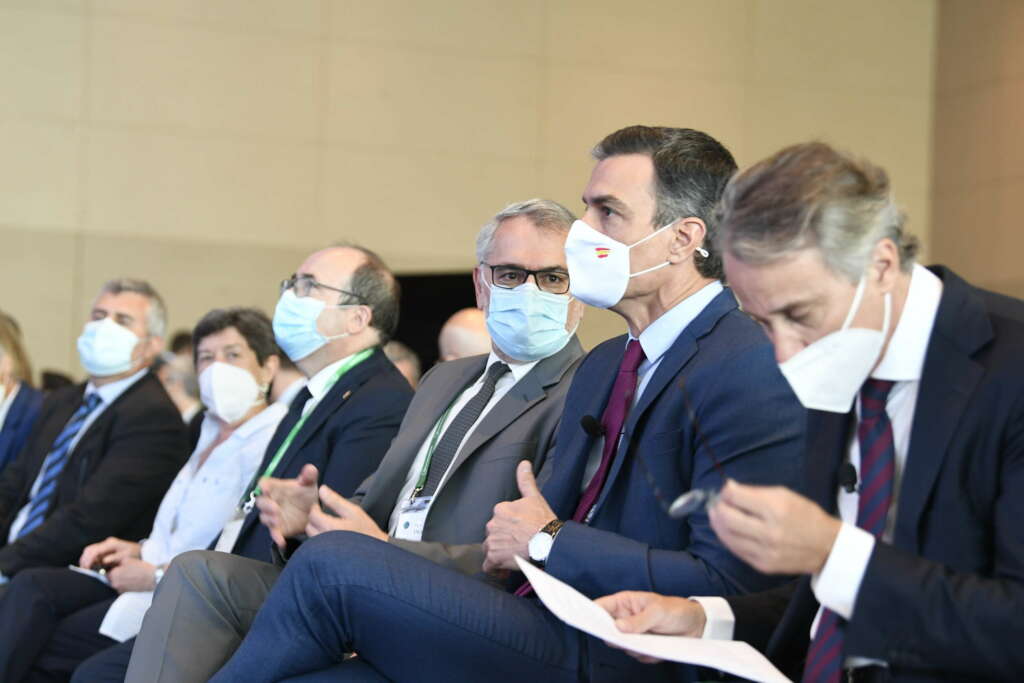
x=5, y=405
x=289, y=394
x=656, y=340
x=502, y=387
x=837, y=584
x=196, y=506
x=108, y=393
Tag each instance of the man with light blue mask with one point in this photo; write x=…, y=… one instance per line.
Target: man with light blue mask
x=103, y=452
x=470, y=423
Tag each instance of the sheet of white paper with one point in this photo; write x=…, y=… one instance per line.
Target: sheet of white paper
x=732, y=656
x=102, y=578
x=124, y=618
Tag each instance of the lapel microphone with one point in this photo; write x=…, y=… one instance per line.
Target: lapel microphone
x=848, y=477
x=686, y=503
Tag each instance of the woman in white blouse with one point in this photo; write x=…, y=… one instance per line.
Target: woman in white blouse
x=52, y=619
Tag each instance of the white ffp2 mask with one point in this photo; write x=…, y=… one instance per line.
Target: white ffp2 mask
x=228, y=391
x=599, y=265
x=827, y=374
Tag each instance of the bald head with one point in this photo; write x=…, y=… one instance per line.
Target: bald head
x=464, y=334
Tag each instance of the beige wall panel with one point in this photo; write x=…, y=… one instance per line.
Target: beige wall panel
x=420, y=211
x=155, y=75
x=398, y=99
x=192, y=278
x=599, y=325
x=979, y=41
x=37, y=281
x=262, y=16
x=1008, y=127
x=968, y=139
x=463, y=27
x=584, y=104
x=201, y=188
x=41, y=67
x=73, y=6
x=685, y=37
x=868, y=46
x=38, y=175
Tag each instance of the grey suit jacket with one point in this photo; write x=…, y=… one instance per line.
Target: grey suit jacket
x=522, y=426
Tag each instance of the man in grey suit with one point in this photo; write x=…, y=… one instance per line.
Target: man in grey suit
x=455, y=457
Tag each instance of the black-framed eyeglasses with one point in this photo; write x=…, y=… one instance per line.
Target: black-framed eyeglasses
x=550, y=280
x=302, y=285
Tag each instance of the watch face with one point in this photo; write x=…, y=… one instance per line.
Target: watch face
x=540, y=546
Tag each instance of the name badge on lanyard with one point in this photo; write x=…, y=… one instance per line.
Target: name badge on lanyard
x=412, y=516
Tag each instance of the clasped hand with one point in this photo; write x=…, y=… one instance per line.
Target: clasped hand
x=289, y=507
x=122, y=560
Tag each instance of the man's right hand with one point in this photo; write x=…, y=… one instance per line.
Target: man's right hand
x=108, y=553
x=640, y=612
x=284, y=504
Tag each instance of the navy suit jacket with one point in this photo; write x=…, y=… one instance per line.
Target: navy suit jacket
x=21, y=416
x=721, y=370
x=346, y=437
x=944, y=600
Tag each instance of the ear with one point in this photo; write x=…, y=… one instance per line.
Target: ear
x=480, y=289
x=688, y=235
x=360, y=319
x=269, y=370
x=885, y=265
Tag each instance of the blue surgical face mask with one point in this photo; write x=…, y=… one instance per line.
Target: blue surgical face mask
x=295, y=328
x=105, y=348
x=526, y=323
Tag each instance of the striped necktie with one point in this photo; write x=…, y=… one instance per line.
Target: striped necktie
x=54, y=463
x=877, y=470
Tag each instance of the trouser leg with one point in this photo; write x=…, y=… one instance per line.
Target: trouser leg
x=201, y=611
x=406, y=617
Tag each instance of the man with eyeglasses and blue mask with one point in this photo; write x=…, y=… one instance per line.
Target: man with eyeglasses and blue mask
x=471, y=422
x=690, y=395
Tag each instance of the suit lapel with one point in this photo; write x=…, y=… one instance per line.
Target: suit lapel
x=948, y=379
x=671, y=367
x=827, y=438
x=388, y=479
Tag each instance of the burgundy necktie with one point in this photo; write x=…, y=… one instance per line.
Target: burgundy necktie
x=877, y=470
x=619, y=402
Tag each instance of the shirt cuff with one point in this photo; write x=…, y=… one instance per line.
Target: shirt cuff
x=837, y=584
x=720, y=622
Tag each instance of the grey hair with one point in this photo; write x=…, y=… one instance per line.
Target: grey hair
x=810, y=195
x=156, y=316
x=543, y=213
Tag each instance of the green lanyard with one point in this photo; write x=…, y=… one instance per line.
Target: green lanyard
x=424, y=471
x=248, y=500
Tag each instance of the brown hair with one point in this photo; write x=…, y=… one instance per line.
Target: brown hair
x=11, y=345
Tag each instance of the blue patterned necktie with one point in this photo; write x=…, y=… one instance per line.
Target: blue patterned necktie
x=54, y=465
x=877, y=471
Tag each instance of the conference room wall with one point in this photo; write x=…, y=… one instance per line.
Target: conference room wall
x=209, y=144
x=979, y=142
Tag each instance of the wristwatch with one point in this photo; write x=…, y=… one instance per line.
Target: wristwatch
x=540, y=543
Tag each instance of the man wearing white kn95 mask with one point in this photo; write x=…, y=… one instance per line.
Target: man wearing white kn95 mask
x=102, y=453
x=55, y=618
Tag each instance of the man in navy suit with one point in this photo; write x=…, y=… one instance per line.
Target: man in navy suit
x=910, y=538
x=694, y=393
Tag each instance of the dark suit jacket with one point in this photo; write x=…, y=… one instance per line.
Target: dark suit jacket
x=21, y=417
x=345, y=436
x=944, y=600
x=521, y=426
x=112, y=483
x=720, y=370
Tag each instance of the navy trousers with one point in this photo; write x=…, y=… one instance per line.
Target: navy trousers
x=405, y=617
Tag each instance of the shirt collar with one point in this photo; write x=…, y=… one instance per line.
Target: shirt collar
x=319, y=383
x=517, y=369
x=904, y=357
x=110, y=392
x=663, y=332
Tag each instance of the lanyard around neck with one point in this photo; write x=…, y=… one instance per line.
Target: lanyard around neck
x=248, y=500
